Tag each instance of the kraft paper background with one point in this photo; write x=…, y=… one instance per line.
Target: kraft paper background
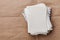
x=13, y=25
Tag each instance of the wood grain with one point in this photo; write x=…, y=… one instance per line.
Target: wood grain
x=13, y=25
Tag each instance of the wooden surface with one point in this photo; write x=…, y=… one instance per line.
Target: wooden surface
x=13, y=25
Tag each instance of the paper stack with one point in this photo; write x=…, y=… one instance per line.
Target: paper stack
x=38, y=19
